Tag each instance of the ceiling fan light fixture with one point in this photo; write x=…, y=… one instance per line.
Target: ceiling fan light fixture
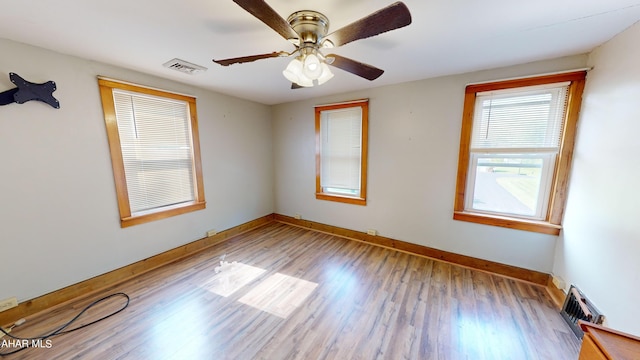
x=312, y=67
x=305, y=81
x=293, y=70
x=306, y=73
x=326, y=74
x=295, y=74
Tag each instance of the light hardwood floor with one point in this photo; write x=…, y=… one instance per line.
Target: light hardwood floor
x=299, y=294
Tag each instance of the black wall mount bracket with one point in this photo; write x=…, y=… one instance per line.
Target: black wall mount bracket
x=27, y=91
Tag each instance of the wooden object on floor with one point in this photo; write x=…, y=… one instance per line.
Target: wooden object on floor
x=601, y=343
x=370, y=302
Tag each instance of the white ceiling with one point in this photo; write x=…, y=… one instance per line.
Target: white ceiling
x=445, y=37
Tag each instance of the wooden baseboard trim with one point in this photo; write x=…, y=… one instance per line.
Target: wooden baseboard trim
x=557, y=295
x=515, y=272
x=101, y=282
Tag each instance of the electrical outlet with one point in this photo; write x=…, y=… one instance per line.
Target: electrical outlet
x=9, y=303
x=297, y=216
x=211, y=233
x=372, y=232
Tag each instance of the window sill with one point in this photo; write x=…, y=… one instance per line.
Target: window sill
x=343, y=199
x=507, y=222
x=141, y=219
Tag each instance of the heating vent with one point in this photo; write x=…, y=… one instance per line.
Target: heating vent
x=577, y=307
x=184, y=66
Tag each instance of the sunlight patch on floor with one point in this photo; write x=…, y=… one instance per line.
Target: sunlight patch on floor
x=279, y=294
x=233, y=277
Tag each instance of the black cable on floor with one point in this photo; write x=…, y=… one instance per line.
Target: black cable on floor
x=61, y=330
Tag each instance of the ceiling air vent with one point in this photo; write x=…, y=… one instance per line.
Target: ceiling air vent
x=184, y=66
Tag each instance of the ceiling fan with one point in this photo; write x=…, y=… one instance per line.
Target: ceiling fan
x=307, y=30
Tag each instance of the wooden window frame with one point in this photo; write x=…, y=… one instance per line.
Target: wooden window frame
x=558, y=192
x=127, y=219
x=320, y=195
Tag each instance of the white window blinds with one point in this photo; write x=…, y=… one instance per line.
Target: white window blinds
x=530, y=119
x=341, y=150
x=156, y=149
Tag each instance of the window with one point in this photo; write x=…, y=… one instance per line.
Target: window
x=341, y=152
x=515, y=151
x=155, y=153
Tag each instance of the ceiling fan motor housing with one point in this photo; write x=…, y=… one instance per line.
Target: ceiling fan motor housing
x=312, y=27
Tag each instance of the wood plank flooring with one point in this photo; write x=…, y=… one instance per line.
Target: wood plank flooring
x=300, y=294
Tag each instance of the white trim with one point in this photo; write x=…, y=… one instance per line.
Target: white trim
x=542, y=201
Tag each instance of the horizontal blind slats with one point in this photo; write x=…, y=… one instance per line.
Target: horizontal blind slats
x=529, y=119
x=156, y=150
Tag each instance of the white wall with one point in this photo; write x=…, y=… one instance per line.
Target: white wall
x=599, y=248
x=414, y=134
x=59, y=221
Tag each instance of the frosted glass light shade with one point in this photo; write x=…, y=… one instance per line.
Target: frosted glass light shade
x=305, y=81
x=293, y=71
x=326, y=74
x=312, y=67
x=306, y=69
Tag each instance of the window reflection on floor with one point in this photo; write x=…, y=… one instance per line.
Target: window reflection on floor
x=279, y=294
x=232, y=277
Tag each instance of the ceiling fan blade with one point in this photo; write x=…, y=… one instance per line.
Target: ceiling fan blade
x=392, y=17
x=245, y=59
x=267, y=15
x=355, y=67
